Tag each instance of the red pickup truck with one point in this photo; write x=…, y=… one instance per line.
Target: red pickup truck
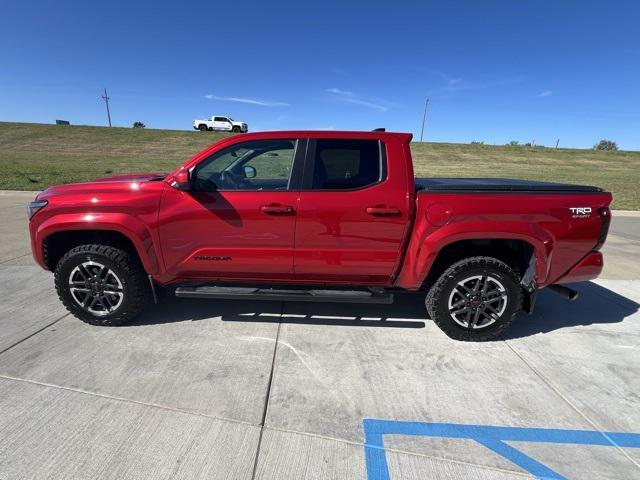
x=318, y=216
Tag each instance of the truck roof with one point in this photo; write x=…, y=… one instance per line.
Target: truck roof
x=344, y=134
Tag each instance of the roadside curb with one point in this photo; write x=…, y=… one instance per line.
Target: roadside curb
x=20, y=192
x=625, y=213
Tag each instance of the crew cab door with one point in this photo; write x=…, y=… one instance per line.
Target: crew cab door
x=221, y=123
x=237, y=219
x=353, y=212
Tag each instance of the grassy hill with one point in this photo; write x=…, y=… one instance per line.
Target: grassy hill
x=34, y=156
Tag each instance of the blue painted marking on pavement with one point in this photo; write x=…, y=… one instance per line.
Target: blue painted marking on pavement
x=524, y=461
x=491, y=437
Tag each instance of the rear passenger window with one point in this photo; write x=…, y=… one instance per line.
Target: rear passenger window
x=346, y=164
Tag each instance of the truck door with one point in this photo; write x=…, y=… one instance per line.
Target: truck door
x=353, y=212
x=238, y=218
x=221, y=123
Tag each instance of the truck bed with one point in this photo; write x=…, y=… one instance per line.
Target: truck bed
x=497, y=185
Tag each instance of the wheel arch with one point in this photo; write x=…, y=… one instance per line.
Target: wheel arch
x=428, y=244
x=60, y=233
x=57, y=244
x=516, y=253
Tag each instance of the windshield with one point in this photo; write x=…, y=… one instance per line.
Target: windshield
x=231, y=119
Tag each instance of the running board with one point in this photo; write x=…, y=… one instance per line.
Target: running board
x=287, y=295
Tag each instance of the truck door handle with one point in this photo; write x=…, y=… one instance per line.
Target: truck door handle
x=383, y=211
x=276, y=209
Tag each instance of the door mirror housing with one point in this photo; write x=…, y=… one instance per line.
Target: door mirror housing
x=249, y=172
x=182, y=180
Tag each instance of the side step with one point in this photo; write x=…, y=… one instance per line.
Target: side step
x=289, y=295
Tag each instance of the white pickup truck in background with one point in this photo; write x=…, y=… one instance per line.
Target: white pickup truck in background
x=221, y=124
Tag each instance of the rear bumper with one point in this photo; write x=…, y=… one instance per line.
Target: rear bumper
x=588, y=268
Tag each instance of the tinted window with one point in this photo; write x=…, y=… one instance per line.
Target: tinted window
x=257, y=165
x=219, y=119
x=346, y=164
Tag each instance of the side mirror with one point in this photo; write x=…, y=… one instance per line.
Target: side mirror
x=182, y=180
x=249, y=172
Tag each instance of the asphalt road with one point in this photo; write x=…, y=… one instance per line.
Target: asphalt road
x=243, y=390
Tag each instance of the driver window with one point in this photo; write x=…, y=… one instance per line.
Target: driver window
x=259, y=165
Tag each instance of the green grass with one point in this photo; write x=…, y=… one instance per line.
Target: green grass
x=34, y=156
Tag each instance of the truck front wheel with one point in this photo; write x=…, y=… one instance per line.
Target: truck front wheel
x=101, y=285
x=236, y=129
x=475, y=299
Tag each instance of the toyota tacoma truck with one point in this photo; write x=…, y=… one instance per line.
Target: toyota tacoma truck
x=220, y=124
x=318, y=216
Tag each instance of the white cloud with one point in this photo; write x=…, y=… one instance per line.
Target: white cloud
x=337, y=91
x=364, y=103
x=545, y=93
x=250, y=101
x=450, y=80
x=350, y=97
x=454, y=84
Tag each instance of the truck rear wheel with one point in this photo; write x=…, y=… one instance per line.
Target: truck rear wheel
x=101, y=285
x=202, y=127
x=475, y=299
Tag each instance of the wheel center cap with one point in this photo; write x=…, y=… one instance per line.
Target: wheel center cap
x=476, y=302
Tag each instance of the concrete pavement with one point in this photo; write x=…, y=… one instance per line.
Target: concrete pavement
x=243, y=390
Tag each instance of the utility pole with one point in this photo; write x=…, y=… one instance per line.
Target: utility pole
x=557, y=142
x=105, y=97
x=424, y=117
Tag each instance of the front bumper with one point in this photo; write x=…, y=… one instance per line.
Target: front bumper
x=588, y=268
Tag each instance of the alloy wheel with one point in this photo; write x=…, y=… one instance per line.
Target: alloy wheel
x=96, y=288
x=477, y=302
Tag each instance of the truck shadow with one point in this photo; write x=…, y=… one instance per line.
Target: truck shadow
x=596, y=305
x=407, y=311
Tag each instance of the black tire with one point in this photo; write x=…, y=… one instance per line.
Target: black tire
x=236, y=129
x=124, y=274
x=494, y=317
x=202, y=127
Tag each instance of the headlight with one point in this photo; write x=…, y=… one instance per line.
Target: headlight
x=34, y=206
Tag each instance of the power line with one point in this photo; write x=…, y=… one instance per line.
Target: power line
x=105, y=97
x=424, y=117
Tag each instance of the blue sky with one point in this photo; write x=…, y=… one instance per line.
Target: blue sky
x=494, y=70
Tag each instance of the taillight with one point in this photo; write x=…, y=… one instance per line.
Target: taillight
x=605, y=217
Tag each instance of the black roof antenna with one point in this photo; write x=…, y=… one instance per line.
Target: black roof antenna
x=379, y=130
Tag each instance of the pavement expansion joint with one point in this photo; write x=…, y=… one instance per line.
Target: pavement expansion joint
x=34, y=333
x=268, y=394
x=127, y=400
x=568, y=401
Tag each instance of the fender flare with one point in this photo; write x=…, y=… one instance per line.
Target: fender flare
x=122, y=223
x=423, y=251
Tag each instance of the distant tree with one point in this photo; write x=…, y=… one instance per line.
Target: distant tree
x=606, y=145
x=528, y=144
x=138, y=125
x=513, y=143
x=476, y=142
